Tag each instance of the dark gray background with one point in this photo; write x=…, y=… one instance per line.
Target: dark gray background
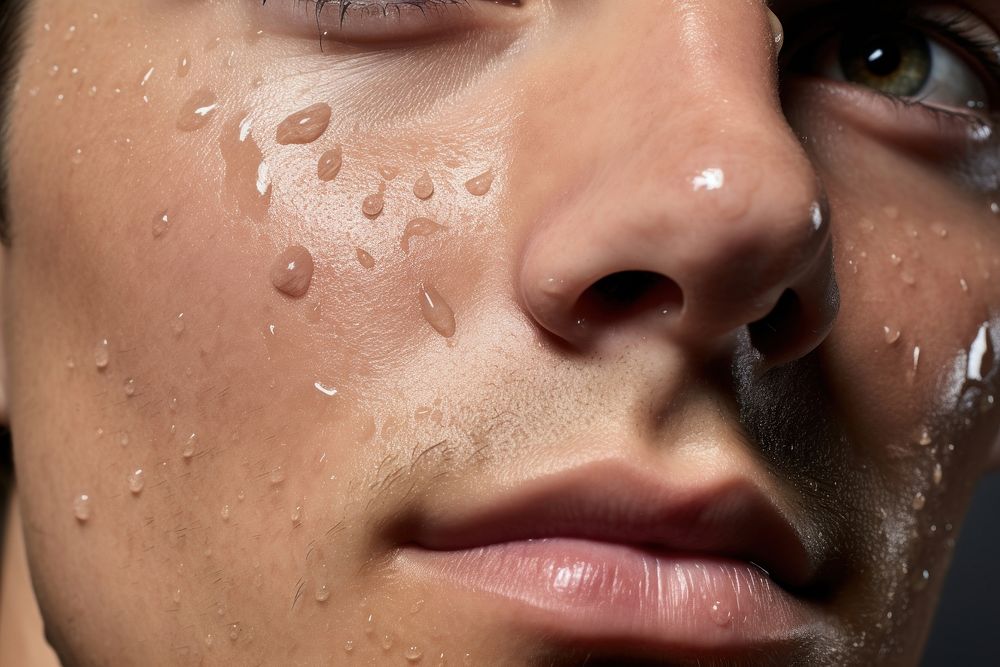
x=967, y=627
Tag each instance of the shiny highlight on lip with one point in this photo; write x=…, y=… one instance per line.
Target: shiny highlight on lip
x=593, y=591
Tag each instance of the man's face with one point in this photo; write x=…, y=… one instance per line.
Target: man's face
x=498, y=332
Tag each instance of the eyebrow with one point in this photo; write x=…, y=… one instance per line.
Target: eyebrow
x=12, y=27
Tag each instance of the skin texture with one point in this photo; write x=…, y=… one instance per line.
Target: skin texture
x=261, y=488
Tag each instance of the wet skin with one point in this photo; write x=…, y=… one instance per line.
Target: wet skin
x=300, y=436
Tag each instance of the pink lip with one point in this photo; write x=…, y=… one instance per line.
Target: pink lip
x=609, y=553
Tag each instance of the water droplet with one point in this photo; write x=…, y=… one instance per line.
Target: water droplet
x=277, y=475
x=386, y=641
x=129, y=387
x=136, y=480
x=146, y=76
x=197, y=110
x=177, y=324
x=329, y=391
x=160, y=224
x=305, y=125
x=964, y=285
x=388, y=171
x=234, y=631
x=176, y=597
x=292, y=271
x=102, y=354
x=720, y=613
x=77, y=156
x=413, y=654
x=895, y=259
x=919, y=500
x=891, y=212
x=940, y=230
x=188, y=450
x=370, y=624
x=417, y=227
x=423, y=188
x=183, y=65
x=330, y=163
x=123, y=438
x=908, y=278
x=322, y=593
x=436, y=311
x=297, y=515
x=925, y=438
x=70, y=32
x=225, y=512
x=916, y=357
x=209, y=639
x=81, y=507
x=348, y=646
x=240, y=495
x=53, y=70
x=994, y=208
x=373, y=203
x=938, y=473
x=892, y=334
x=481, y=184
x=248, y=176
x=365, y=260
x=981, y=355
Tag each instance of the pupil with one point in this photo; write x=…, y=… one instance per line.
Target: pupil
x=884, y=56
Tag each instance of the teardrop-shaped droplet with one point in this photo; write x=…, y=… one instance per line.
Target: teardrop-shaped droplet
x=423, y=188
x=197, y=110
x=436, y=311
x=388, y=171
x=81, y=507
x=136, y=480
x=304, y=126
x=417, y=227
x=102, y=354
x=160, y=224
x=330, y=163
x=183, y=65
x=292, y=271
x=481, y=184
x=364, y=259
x=373, y=204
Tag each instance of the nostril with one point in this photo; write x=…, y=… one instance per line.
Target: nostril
x=626, y=294
x=780, y=327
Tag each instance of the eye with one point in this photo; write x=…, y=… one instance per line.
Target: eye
x=942, y=63
x=388, y=23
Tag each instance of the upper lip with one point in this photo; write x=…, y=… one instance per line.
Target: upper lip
x=618, y=503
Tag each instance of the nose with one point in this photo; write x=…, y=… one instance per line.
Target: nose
x=687, y=208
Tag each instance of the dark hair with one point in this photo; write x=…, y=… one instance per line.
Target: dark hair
x=12, y=17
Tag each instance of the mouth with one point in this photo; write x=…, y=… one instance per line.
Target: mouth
x=610, y=557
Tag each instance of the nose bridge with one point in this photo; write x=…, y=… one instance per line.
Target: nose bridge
x=671, y=157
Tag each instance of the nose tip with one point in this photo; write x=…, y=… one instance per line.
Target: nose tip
x=764, y=263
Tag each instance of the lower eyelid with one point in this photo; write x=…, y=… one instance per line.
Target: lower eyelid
x=928, y=131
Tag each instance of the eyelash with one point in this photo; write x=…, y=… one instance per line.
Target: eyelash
x=345, y=7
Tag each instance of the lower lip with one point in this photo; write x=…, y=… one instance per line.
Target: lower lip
x=586, y=591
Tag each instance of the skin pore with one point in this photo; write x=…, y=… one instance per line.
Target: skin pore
x=330, y=292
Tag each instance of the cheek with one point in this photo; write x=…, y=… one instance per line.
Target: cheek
x=914, y=347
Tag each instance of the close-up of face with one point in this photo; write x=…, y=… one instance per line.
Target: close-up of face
x=499, y=332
